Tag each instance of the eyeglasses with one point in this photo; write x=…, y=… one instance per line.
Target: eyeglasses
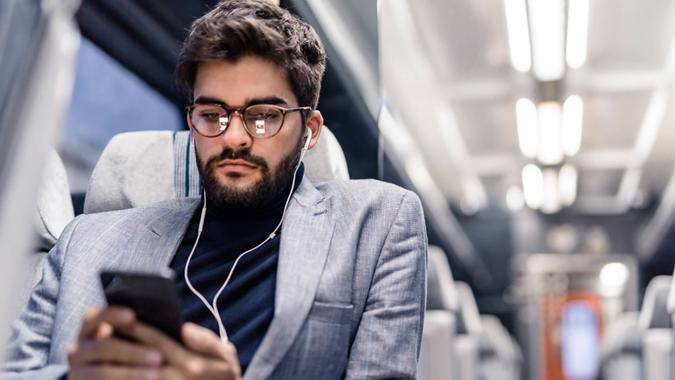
x=260, y=120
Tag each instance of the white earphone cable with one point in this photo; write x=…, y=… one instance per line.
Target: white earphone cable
x=213, y=307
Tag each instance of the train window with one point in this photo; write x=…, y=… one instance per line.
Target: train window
x=107, y=100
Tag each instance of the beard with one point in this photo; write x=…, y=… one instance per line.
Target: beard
x=269, y=187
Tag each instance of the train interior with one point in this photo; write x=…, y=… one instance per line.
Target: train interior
x=538, y=134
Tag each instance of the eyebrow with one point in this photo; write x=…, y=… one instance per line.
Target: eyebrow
x=276, y=100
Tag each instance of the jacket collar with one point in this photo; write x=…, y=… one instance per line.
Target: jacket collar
x=306, y=235
x=305, y=239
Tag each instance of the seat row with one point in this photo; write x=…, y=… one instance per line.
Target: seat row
x=639, y=345
x=458, y=342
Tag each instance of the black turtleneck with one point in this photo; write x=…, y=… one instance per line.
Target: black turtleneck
x=246, y=305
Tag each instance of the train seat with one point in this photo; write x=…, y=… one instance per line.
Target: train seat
x=440, y=321
x=53, y=212
x=506, y=360
x=621, y=353
x=656, y=324
x=638, y=345
x=140, y=168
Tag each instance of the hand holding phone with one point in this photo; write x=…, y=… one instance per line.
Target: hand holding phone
x=152, y=296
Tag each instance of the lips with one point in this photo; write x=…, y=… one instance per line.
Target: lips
x=237, y=162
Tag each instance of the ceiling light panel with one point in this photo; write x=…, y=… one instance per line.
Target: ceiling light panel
x=547, y=18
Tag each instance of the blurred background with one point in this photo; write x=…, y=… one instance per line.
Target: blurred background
x=538, y=133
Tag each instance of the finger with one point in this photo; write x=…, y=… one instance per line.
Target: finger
x=172, y=351
x=203, y=341
x=170, y=373
x=115, y=316
x=105, y=330
x=232, y=358
x=186, y=362
x=113, y=350
x=113, y=372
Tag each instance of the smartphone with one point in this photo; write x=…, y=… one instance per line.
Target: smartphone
x=152, y=296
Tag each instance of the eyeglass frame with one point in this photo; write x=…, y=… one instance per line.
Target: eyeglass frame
x=240, y=111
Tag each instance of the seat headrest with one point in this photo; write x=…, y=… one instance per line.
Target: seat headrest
x=54, y=205
x=622, y=336
x=671, y=297
x=503, y=343
x=326, y=161
x=469, y=321
x=140, y=168
x=654, y=313
x=441, y=292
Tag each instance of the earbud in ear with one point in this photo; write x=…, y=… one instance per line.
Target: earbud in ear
x=308, y=139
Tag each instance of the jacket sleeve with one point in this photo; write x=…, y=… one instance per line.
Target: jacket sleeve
x=387, y=342
x=27, y=355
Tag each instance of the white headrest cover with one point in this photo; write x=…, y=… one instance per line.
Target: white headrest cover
x=135, y=169
x=441, y=290
x=54, y=206
x=140, y=168
x=326, y=161
x=469, y=321
x=654, y=312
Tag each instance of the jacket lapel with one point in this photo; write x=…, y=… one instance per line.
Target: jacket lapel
x=305, y=238
x=155, y=248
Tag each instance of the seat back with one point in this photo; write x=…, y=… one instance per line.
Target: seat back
x=469, y=317
x=656, y=325
x=140, y=168
x=436, y=360
x=54, y=210
x=469, y=341
x=654, y=312
x=621, y=352
x=507, y=358
x=436, y=352
x=441, y=291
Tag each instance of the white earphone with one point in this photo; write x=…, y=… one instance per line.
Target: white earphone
x=307, y=141
x=213, y=306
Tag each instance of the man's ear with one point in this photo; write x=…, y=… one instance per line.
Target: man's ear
x=314, y=123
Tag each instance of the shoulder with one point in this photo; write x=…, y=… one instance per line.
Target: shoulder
x=130, y=217
x=369, y=192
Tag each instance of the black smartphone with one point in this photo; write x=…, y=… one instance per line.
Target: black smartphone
x=152, y=296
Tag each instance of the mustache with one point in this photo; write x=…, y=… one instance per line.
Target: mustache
x=241, y=154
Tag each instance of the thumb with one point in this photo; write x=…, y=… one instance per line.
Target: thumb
x=202, y=340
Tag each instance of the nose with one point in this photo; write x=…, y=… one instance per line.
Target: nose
x=235, y=135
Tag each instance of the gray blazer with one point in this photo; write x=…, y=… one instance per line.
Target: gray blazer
x=350, y=292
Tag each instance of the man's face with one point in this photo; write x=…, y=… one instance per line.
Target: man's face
x=236, y=168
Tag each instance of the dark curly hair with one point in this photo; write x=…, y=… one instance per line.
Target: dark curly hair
x=237, y=28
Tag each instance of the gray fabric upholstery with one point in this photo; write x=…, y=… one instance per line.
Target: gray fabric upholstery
x=441, y=292
x=505, y=359
x=657, y=345
x=621, y=351
x=639, y=346
x=622, y=337
x=654, y=313
x=326, y=161
x=436, y=353
x=54, y=205
x=469, y=317
x=140, y=168
x=135, y=169
x=54, y=210
x=656, y=325
x=670, y=305
x=440, y=321
x=186, y=176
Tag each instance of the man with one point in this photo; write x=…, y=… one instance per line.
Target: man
x=279, y=278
